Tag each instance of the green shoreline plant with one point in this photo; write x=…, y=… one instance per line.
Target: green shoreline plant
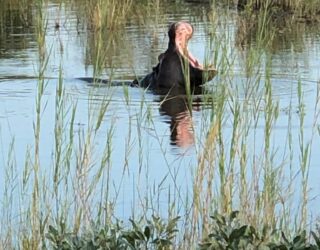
x=226, y=232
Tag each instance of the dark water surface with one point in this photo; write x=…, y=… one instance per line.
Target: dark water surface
x=155, y=145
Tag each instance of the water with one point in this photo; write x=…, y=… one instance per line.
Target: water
x=148, y=160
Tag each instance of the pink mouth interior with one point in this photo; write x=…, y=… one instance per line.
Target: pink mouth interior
x=193, y=61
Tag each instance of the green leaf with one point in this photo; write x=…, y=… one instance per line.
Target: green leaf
x=280, y=247
x=233, y=215
x=205, y=246
x=139, y=235
x=284, y=238
x=237, y=233
x=219, y=219
x=164, y=242
x=224, y=235
x=316, y=238
x=297, y=240
x=53, y=231
x=172, y=225
x=134, y=225
x=147, y=232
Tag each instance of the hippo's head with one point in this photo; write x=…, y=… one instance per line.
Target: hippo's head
x=169, y=71
x=179, y=34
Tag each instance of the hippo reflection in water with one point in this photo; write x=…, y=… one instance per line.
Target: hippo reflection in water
x=176, y=65
x=178, y=114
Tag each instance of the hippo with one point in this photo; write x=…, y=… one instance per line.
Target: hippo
x=177, y=66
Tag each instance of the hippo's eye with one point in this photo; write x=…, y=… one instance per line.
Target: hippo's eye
x=180, y=33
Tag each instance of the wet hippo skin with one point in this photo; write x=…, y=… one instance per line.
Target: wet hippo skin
x=177, y=66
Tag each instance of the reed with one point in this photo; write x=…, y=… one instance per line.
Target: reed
x=103, y=14
x=36, y=220
x=308, y=10
x=235, y=158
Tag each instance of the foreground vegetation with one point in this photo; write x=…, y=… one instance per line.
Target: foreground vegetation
x=71, y=203
x=226, y=232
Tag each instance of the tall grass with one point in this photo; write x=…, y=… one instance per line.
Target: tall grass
x=113, y=15
x=244, y=158
x=36, y=220
x=309, y=10
x=23, y=8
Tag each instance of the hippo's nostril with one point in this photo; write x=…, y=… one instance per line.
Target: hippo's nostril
x=134, y=83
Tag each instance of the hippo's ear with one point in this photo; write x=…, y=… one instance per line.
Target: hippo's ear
x=172, y=31
x=161, y=56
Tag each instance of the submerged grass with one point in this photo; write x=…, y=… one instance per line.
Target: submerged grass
x=73, y=202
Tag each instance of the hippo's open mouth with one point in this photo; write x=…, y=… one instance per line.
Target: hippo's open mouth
x=189, y=57
x=193, y=61
x=179, y=35
x=209, y=71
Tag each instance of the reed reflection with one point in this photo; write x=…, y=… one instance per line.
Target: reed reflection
x=16, y=29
